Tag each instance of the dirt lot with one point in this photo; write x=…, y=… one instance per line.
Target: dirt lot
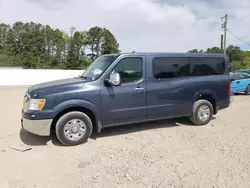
x=166, y=154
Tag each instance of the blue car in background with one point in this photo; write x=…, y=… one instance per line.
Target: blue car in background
x=240, y=82
x=244, y=71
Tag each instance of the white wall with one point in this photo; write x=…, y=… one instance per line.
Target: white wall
x=17, y=77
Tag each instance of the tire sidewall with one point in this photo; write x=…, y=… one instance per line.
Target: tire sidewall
x=63, y=121
x=248, y=90
x=201, y=103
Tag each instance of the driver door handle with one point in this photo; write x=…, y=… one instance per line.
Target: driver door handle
x=238, y=82
x=139, y=89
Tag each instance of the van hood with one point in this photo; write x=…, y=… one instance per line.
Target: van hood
x=57, y=85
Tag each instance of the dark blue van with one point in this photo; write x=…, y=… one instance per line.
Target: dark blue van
x=129, y=88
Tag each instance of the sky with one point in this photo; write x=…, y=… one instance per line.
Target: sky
x=141, y=25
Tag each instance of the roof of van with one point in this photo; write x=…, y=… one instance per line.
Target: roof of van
x=172, y=54
x=175, y=54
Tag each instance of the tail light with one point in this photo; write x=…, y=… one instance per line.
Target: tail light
x=229, y=88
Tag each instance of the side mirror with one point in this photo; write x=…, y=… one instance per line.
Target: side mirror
x=114, y=79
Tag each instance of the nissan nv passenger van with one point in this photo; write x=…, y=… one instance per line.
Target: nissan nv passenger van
x=129, y=88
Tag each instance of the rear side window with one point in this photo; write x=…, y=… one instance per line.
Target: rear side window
x=164, y=67
x=236, y=77
x=171, y=67
x=245, y=76
x=202, y=66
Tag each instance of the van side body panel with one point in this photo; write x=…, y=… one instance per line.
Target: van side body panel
x=174, y=97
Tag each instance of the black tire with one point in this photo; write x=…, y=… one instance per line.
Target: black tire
x=247, y=92
x=197, y=105
x=61, y=123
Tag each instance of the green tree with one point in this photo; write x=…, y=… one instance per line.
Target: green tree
x=72, y=31
x=84, y=42
x=74, y=51
x=215, y=49
x=234, y=53
x=246, y=59
x=110, y=44
x=59, y=45
x=193, y=51
x=236, y=58
x=94, y=41
x=4, y=29
x=33, y=45
x=242, y=63
x=66, y=40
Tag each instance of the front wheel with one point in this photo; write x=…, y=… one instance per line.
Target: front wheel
x=202, y=112
x=247, y=90
x=73, y=128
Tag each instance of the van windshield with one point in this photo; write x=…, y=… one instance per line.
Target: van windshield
x=98, y=67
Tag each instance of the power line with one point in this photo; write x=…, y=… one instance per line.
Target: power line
x=238, y=37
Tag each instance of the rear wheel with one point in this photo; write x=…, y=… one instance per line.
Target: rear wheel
x=247, y=90
x=73, y=128
x=202, y=112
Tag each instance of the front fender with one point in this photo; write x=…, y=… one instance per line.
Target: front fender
x=80, y=103
x=75, y=103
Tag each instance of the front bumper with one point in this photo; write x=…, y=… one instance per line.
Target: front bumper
x=38, y=127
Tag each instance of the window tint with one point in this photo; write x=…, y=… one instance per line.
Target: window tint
x=130, y=69
x=207, y=66
x=245, y=76
x=236, y=77
x=170, y=67
x=98, y=67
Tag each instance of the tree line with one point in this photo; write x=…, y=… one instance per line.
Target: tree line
x=239, y=59
x=33, y=45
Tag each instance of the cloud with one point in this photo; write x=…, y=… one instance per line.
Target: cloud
x=141, y=25
x=51, y=4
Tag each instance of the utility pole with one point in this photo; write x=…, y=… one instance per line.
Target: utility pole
x=221, y=42
x=224, y=26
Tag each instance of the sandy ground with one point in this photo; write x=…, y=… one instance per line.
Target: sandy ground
x=164, y=154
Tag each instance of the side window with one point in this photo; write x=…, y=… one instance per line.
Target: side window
x=245, y=76
x=130, y=69
x=170, y=67
x=236, y=77
x=201, y=66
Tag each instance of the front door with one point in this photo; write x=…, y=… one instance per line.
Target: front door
x=237, y=83
x=245, y=81
x=127, y=102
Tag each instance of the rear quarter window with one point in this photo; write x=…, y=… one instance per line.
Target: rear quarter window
x=202, y=66
x=171, y=67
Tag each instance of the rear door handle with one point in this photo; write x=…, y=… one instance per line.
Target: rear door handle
x=139, y=89
x=238, y=82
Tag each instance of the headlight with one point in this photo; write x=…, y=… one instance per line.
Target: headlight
x=36, y=104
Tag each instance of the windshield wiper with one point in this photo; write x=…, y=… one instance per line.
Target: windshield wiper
x=85, y=77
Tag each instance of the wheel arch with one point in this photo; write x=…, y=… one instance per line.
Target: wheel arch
x=209, y=96
x=81, y=106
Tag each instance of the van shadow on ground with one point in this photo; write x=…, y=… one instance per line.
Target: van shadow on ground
x=127, y=129
x=34, y=140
